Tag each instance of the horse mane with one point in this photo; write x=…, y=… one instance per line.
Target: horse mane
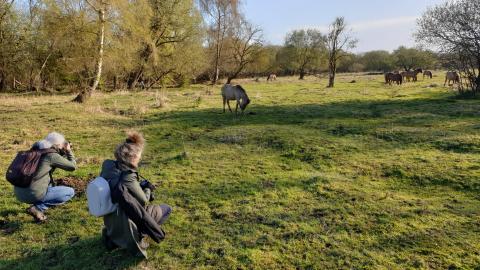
x=239, y=87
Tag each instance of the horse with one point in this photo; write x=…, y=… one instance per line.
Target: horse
x=427, y=73
x=393, y=77
x=387, y=77
x=411, y=75
x=272, y=77
x=451, y=76
x=235, y=92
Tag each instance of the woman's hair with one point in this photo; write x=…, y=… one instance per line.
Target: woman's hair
x=131, y=149
x=43, y=144
x=55, y=138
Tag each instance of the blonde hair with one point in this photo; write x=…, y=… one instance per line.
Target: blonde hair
x=130, y=150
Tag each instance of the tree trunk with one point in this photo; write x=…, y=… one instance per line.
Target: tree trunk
x=3, y=83
x=31, y=81
x=87, y=93
x=218, y=49
x=331, y=80
x=37, y=78
x=115, y=83
x=133, y=78
x=332, y=70
x=477, y=84
x=302, y=75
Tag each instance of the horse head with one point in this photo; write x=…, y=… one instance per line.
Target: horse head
x=244, y=103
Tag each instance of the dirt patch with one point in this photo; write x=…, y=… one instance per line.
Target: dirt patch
x=9, y=227
x=78, y=184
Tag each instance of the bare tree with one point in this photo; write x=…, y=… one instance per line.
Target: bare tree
x=454, y=29
x=246, y=45
x=221, y=14
x=339, y=41
x=100, y=8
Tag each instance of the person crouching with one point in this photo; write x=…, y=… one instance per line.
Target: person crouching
x=41, y=193
x=134, y=219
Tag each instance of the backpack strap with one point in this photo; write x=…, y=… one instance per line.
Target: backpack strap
x=43, y=152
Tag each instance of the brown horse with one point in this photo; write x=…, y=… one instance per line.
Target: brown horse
x=451, y=76
x=427, y=73
x=272, y=77
x=392, y=77
x=411, y=75
x=235, y=92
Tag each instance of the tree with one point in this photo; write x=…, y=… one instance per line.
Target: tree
x=339, y=40
x=410, y=58
x=264, y=62
x=9, y=43
x=100, y=8
x=171, y=47
x=303, y=50
x=246, y=44
x=454, y=28
x=378, y=61
x=220, y=15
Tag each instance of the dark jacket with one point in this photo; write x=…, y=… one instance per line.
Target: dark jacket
x=126, y=226
x=135, y=210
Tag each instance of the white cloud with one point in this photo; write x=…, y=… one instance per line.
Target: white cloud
x=384, y=23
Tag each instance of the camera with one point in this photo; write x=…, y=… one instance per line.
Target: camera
x=63, y=151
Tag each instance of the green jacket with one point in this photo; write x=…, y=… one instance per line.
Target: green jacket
x=121, y=230
x=38, y=188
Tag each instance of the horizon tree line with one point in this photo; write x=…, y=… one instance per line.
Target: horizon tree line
x=81, y=45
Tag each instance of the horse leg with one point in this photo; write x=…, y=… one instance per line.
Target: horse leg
x=445, y=83
x=228, y=103
x=236, y=108
x=224, y=101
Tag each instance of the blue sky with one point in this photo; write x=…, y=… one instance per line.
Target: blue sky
x=377, y=24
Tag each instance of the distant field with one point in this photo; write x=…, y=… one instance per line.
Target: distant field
x=362, y=176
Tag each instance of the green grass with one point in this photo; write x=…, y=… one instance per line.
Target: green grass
x=362, y=176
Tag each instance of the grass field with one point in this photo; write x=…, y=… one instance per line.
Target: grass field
x=362, y=176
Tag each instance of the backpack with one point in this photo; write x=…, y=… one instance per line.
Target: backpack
x=99, y=198
x=23, y=167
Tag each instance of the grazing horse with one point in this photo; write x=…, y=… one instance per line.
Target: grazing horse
x=393, y=77
x=427, y=73
x=234, y=92
x=387, y=77
x=411, y=75
x=451, y=76
x=272, y=77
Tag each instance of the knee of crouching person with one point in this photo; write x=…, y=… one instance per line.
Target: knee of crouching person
x=70, y=193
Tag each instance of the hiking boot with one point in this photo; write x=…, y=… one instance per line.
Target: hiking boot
x=107, y=242
x=144, y=243
x=38, y=215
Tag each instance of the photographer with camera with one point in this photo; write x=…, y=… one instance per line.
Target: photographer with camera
x=135, y=218
x=56, y=152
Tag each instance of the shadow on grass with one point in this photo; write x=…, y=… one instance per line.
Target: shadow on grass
x=77, y=254
x=424, y=111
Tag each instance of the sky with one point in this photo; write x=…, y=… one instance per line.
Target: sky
x=377, y=24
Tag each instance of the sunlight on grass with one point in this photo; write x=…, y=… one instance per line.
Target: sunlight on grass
x=360, y=176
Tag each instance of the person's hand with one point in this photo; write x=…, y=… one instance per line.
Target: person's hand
x=67, y=147
x=146, y=184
